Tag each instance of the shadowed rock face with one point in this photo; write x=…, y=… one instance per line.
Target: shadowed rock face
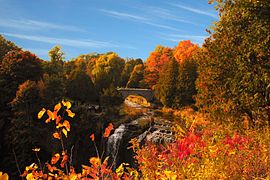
x=154, y=129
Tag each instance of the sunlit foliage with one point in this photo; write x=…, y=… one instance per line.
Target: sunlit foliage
x=207, y=152
x=166, y=88
x=184, y=50
x=107, y=71
x=154, y=64
x=136, y=77
x=60, y=165
x=128, y=69
x=234, y=73
x=6, y=46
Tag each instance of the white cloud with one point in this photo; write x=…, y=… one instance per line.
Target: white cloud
x=123, y=15
x=28, y=24
x=136, y=18
x=61, y=41
x=194, y=10
x=164, y=14
x=160, y=25
x=177, y=37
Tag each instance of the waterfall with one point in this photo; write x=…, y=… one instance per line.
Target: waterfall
x=114, y=143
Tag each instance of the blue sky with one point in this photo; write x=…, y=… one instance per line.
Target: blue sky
x=131, y=28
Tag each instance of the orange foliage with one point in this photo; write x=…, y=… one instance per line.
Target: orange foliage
x=56, y=135
x=155, y=62
x=55, y=158
x=92, y=137
x=98, y=169
x=108, y=130
x=184, y=50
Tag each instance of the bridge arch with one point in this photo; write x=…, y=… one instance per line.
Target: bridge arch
x=148, y=94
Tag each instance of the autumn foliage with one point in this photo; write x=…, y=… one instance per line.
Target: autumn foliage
x=60, y=165
x=213, y=152
x=155, y=62
x=184, y=50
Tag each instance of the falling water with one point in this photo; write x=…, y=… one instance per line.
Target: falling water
x=114, y=142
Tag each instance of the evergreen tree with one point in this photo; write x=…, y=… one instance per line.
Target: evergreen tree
x=166, y=88
x=127, y=71
x=136, y=77
x=111, y=96
x=186, y=88
x=79, y=87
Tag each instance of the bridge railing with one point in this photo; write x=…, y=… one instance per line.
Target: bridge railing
x=133, y=89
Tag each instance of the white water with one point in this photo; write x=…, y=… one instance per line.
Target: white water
x=114, y=142
x=132, y=104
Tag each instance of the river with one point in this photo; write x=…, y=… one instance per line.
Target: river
x=149, y=126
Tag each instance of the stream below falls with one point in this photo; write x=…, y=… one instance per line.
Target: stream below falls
x=150, y=126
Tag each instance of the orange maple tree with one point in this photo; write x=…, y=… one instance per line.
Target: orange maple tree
x=155, y=62
x=184, y=50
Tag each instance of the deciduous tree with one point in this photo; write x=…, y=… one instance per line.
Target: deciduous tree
x=136, y=77
x=166, y=88
x=234, y=71
x=6, y=46
x=107, y=70
x=155, y=62
x=79, y=87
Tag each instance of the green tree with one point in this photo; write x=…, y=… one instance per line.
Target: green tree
x=136, y=77
x=129, y=67
x=55, y=65
x=107, y=70
x=166, y=88
x=80, y=87
x=186, y=88
x=52, y=88
x=21, y=135
x=110, y=96
x=56, y=54
x=234, y=71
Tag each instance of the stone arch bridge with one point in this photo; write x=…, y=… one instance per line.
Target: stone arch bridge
x=148, y=94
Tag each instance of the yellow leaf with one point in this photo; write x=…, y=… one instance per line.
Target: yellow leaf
x=30, y=176
x=3, y=176
x=57, y=107
x=70, y=113
x=36, y=149
x=33, y=166
x=73, y=176
x=66, y=104
x=95, y=161
x=40, y=114
x=119, y=171
x=64, y=132
x=66, y=125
